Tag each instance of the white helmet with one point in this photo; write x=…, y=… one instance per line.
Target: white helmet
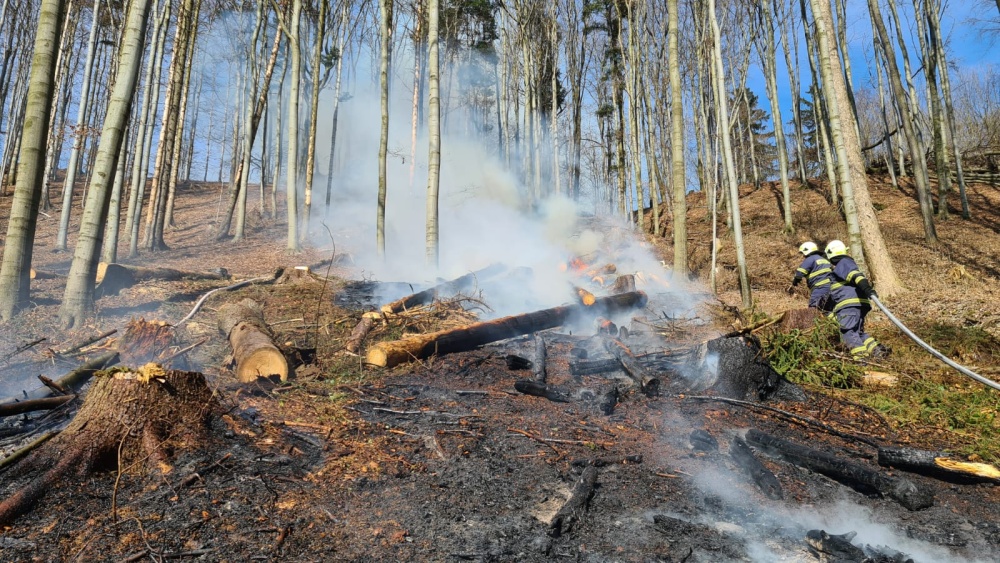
x=808, y=248
x=835, y=248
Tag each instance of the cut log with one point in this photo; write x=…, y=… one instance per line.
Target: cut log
x=127, y=420
x=860, y=478
x=538, y=389
x=361, y=330
x=538, y=368
x=44, y=275
x=573, y=510
x=762, y=476
x=648, y=383
x=586, y=298
x=450, y=288
x=623, y=284
x=112, y=278
x=253, y=347
x=469, y=337
x=32, y=405
x=939, y=465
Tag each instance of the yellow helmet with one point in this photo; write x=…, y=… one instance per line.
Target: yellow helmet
x=808, y=248
x=835, y=248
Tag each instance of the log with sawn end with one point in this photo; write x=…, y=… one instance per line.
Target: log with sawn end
x=854, y=475
x=112, y=278
x=469, y=337
x=939, y=465
x=574, y=508
x=452, y=287
x=648, y=383
x=253, y=348
x=762, y=476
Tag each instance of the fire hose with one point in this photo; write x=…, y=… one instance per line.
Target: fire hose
x=961, y=369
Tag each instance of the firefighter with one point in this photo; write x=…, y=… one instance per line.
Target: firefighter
x=849, y=293
x=816, y=271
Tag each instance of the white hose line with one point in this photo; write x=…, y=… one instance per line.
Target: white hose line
x=962, y=369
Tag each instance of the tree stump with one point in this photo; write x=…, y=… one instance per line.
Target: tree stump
x=129, y=417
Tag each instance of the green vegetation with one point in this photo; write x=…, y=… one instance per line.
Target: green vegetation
x=807, y=357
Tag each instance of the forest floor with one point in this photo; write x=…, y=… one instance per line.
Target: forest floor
x=442, y=460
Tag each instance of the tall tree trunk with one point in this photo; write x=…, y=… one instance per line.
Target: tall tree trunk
x=769, y=59
x=78, y=299
x=554, y=113
x=15, y=268
x=385, y=15
x=418, y=57
x=631, y=88
x=313, y=118
x=433, y=134
x=178, y=141
x=678, y=183
x=109, y=253
x=935, y=106
x=57, y=117
x=78, y=134
x=790, y=36
x=935, y=29
x=342, y=35
x=291, y=169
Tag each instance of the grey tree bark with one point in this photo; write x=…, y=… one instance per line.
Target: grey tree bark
x=678, y=183
x=385, y=15
x=769, y=62
x=433, y=133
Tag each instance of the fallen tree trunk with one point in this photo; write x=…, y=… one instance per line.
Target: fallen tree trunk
x=253, y=348
x=939, y=465
x=538, y=389
x=71, y=380
x=452, y=287
x=574, y=508
x=648, y=383
x=112, y=278
x=856, y=476
x=32, y=405
x=74, y=348
x=126, y=419
x=469, y=337
x=762, y=476
x=360, y=332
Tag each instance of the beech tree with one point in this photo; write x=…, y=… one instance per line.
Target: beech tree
x=433, y=133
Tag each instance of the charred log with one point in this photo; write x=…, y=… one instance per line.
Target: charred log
x=609, y=401
x=538, y=389
x=129, y=417
x=762, y=476
x=702, y=441
x=939, y=465
x=452, y=287
x=648, y=383
x=623, y=284
x=469, y=337
x=112, y=278
x=253, y=347
x=517, y=363
x=856, y=476
x=573, y=510
x=538, y=368
x=606, y=461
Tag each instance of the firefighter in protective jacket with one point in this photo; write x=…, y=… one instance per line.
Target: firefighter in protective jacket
x=816, y=271
x=849, y=293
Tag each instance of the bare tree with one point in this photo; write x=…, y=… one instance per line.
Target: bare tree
x=385, y=18
x=433, y=133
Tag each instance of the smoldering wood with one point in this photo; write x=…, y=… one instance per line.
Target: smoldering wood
x=606, y=461
x=609, y=400
x=648, y=383
x=360, y=332
x=761, y=475
x=517, y=363
x=702, y=441
x=538, y=367
x=449, y=288
x=623, y=284
x=939, y=465
x=469, y=337
x=539, y=389
x=605, y=326
x=576, y=506
x=250, y=337
x=71, y=380
x=31, y=405
x=586, y=298
x=860, y=478
x=656, y=361
x=112, y=278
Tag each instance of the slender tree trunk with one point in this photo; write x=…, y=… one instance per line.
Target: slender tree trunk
x=109, y=253
x=313, y=119
x=15, y=268
x=342, y=35
x=433, y=134
x=769, y=60
x=887, y=138
x=678, y=183
x=793, y=77
x=385, y=15
x=78, y=134
x=57, y=118
x=418, y=57
x=935, y=27
x=78, y=299
x=178, y=141
x=291, y=167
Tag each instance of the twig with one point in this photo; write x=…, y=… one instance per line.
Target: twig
x=77, y=347
x=12, y=458
x=195, y=476
x=535, y=438
x=432, y=413
x=55, y=387
x=281, y=536
x=201, y=301
x=22, y=348
x=184, y=350
x=118, y=478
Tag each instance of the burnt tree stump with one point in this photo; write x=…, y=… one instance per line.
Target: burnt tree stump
x=129, y=417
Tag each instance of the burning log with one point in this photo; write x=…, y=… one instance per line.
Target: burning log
x=538, y=389
x=538, y=368
x=604, y=326
x=856, y=476
x=939, y=465
x=112, y=278
x=452, y=287
x=127, y=419
x=586, y=298
x=624, y=284
x=648, y=383
x=469, y=337
x=253, y=349
x=574, y=508
x=360, y=332
x=659, y=361
x=762, y=476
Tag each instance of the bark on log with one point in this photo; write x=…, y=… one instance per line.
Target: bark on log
x=32, y=405
x=538, y=389
x=361, y=330
x=538, y=368
x=253, y=348
x=624, y=284
x=762, y=476
x=573, y=510
x=128, y=417
x=112, y=278
x=44, y=275
x=71, y=380
x=939, y=465
x=461, y=339
x=856, y=476
x=648, y=383
x=452, y=287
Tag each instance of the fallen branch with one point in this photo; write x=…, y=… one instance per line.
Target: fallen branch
x=48, y=403
x=194, y=476
x=573, y=510
x=77, y=347
x=762, y=476
x=73, y=379
x=360, y=332
x=648, y=383
x=939, y=465
x=201, y=301
x=452, y=287
x=538, y=389
x=112, y=278
x=55, y=387
x=12, y=458
x=22, y=348
x=469, y=337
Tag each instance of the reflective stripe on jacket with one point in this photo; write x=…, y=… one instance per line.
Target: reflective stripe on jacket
x=846, y=277
x=815, y=269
